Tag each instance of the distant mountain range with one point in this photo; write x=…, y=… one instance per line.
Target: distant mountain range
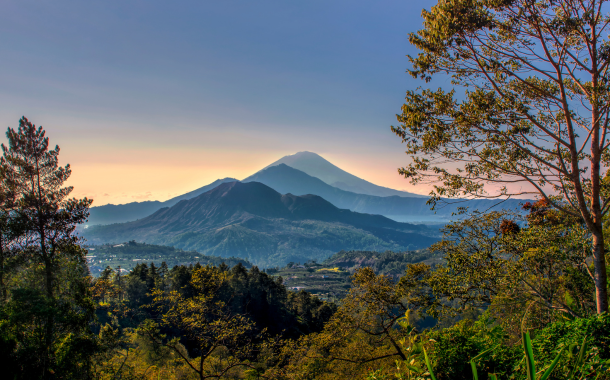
x=316, y=166
x=285, y=179
x=110, y=213
x=307, y=173
x=253, y=221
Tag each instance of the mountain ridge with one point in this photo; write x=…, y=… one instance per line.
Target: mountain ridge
x=287, y=179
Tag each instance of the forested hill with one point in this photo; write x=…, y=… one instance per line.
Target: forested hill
x=387, y=263
x=254, y=222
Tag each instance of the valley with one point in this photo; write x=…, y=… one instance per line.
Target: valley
x=330, y=280
x=127, y=255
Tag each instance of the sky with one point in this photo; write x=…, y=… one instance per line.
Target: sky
x=151, y=99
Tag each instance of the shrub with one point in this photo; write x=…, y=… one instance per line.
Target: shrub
x=457, y=345
x=564, y=334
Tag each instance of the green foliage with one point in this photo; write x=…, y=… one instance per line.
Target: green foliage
x=264, y=299
x=454, y=348
x=541, y=269
x=589, y=335
x=46, y=304
x=451, y=348
x=368, y=328
x=206, y=323
x=509, y=125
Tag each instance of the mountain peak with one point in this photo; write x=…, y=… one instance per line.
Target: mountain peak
x=306, y=154
x=308, y=160
x=317, y=166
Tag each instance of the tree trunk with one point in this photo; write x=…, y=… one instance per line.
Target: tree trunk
x=2, y=262
x=599, y=261
x=48, y=271
x=50, y=320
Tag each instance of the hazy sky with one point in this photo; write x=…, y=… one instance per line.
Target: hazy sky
x=150, y=99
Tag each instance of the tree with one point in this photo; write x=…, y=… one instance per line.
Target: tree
x=368, y=328
x=51, y=307
x=536, y=274
x=532, y=115
x=103, y=287
x=221, y=340
x=10, y=231
x=43, y=205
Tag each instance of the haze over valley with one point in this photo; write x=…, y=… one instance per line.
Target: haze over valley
x=281, y=214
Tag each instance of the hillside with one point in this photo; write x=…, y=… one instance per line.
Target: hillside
x=330, y=280
x=254, y=222
x=388, y=263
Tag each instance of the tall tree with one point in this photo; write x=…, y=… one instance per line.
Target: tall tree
x=47, y=218
x=528, y=111
x=33, y=171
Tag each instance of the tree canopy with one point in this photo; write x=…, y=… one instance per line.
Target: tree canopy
x=527, y=112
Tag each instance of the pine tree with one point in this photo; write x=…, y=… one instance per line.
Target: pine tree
x=42, y=201
x=37, y=201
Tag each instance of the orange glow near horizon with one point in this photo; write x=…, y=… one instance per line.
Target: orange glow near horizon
x=122, y=162
x=118, y=183
x=125, y=162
